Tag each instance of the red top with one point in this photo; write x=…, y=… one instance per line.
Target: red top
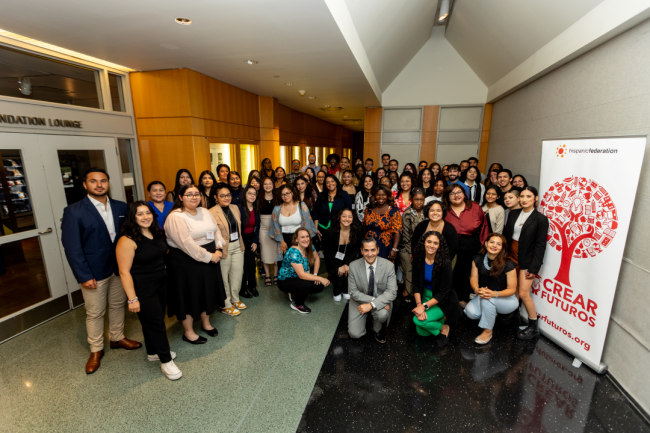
x=250, y=224
x=470, y=223
x=333, y=170
x=399, y=203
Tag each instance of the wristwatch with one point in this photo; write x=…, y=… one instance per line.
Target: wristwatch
x=426, y=307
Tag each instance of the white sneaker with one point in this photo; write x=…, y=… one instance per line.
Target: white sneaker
x=157, y=358
x=170, y=370
x=337, y=298
x=346, y=296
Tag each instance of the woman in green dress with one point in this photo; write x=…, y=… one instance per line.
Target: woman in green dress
x=436, y=302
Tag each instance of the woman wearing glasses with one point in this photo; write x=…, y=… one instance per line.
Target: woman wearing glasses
x=195, y=247
x=232, y=263
x=288, y=216
x=473, y=229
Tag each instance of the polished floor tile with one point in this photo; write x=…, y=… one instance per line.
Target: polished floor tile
x=410, y=384
x=256, y=376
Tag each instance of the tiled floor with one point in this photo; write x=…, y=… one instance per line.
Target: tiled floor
x=256, y=376
x=411, y=385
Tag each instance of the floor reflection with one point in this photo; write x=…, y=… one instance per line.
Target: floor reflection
x=409, y=384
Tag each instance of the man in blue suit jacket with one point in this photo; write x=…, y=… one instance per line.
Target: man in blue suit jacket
x=90, y=230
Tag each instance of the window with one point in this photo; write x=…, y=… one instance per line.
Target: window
x=128, y=169
x=28, y=76
x=117, y=95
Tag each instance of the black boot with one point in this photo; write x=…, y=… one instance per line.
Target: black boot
x=244, y=294
x=253, y=291
x=531, y=331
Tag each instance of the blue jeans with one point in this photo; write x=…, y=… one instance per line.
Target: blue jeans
x=487, y=309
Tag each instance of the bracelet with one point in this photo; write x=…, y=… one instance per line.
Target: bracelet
x=496, y=293
x=133, y=301
x=396, y=250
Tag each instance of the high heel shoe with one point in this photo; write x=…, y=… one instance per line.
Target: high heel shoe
x=254, y=292
x=200, y=340
x=211, y=332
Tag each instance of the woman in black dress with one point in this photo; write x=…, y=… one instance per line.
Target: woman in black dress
x=341, y=249
x=140, y=254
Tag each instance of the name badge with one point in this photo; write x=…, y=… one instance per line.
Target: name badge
x=340, y=256
x=209, y=235
x=234, y=236
x=287, y=229
x=352, y=207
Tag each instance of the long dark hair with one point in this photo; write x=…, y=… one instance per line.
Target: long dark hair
x=496, y=189
x=177, y=185
x=295, y=195
x=432, y=179
x=535, y=193
x=362, y=188
x=355, y=227
x=308, y=190
x=232, y=188
x=219, y=167
x=132, y=230
x=178, y=204
x=202, y=188
x=499, y=262
x=420, y=253
x=399, y=181
x=414, y=173
x=375, y=190
x=244, y=202
x=448, y=191
x=251, y=175
x=522, y=178
x=325, y=193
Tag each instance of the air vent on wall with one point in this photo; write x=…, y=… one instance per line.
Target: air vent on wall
x=332, y=108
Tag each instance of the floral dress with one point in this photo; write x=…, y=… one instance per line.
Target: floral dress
x=382, y=228
x=399, y=202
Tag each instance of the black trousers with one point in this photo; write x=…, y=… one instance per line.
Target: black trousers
x=151, y=291
x=468, y=247
x=248, y=281
x=299, y=289
x=339, y=284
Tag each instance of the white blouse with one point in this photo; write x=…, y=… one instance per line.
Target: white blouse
x=190, y=233
x=521, y=220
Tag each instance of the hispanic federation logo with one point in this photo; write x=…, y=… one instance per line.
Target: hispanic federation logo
x=560, y=151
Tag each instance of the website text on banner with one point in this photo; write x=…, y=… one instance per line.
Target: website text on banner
x=589, y=213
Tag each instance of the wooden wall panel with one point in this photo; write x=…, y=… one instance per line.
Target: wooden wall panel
x=429, y=133
x=160, y=93
x=372, y=135
x=161, y=157
x=485, y=137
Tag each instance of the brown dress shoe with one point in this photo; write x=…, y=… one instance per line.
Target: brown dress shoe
x=94, y=362
x=125, y=343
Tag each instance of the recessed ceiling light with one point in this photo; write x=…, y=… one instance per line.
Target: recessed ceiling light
x=251, y=62
x=444, y=11
x=345, y=116
x=326, y=106
x=312, y=97
x=276, y=76
x=183, y=21
x=288, y=84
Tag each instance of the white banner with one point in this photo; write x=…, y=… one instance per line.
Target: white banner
x=587, y=190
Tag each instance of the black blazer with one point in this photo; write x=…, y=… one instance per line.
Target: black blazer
x=322, y=210
x=448, y=232
x=330, y=248
x=243, y=211
x=441, y=288
x=532, y=240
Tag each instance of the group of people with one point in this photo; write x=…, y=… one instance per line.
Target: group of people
x=447, y=240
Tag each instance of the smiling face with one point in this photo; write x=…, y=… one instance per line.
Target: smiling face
x=381, y=173
x=224, y=197
x=369, y=252
x=493, y=245
x=445, y=171
x=184, y=179
x=330, y=184
x=405, y=183
x=96, y=184
x=422, y=166
x=347, y=178
x=453, y=174
x=359, y=171
x=143, y=217
x=491, y=196
x=320, y=177
x=426, y=176
x=457, y=196
x=369, y=165
x=345, y=164
x=301, y=185
x=431, y=244
x=235, y=181
x=439, y=188
x=312, y=159
x=251, y=195
x=206, y=181
x=435, y=213
x=346, y=218
x=286, y=195
x=518, y=181
x=436, y=170
x=393, y=178
x=303, y=238
x=472, y=174
x=279, y=173
x=255, y=183
x=368, y=184
x=385, y=181
x=493, y=177
x=191, y=199
x=381, y=197
x=223, y=174
x=157, y=193
x=295, y=165
x=464, y=166
x=503, y=179
x=267, y=164
x=267, y=185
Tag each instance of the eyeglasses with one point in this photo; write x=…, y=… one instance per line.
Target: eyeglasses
x=457, y=193
x=225, y=195
x=286, y=194
x=192, y=195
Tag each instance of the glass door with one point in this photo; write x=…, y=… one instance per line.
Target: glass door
x=32, y=280
x=67, y=158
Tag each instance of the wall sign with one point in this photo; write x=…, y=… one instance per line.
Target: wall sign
x=589, y=213
x=39, y=121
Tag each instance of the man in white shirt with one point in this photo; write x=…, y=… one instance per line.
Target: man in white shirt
x=372, y=287
x=89, y=231
x=312, y=164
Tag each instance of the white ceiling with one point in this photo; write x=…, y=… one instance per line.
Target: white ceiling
x=495, y=36
x=392, y=32
x=295, y=39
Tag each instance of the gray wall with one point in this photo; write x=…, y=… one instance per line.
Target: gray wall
x=605, y=92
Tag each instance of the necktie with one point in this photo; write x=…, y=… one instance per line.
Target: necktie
x=371, y=282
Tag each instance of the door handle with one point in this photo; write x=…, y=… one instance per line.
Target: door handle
x=44, y=232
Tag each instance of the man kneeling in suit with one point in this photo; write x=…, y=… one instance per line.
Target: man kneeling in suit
x=372, y=287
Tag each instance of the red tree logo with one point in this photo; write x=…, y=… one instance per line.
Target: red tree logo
x=583, y=220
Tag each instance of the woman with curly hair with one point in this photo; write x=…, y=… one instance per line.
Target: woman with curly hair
x=494, y=280
x=140, y=256
x=383, y=222
x=435, y=300
x=342, y=247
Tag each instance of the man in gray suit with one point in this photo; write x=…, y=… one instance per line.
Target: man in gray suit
x=372, y=287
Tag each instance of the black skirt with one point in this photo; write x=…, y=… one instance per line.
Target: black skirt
x=194, y=287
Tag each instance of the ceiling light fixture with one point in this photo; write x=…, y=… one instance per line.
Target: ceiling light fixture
x=251, y=62
x=302, y=92
x=288, y=84
x=276, y=76
x=312, y=97
x=326, y=106
x=444, y=11
x=183, y=21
